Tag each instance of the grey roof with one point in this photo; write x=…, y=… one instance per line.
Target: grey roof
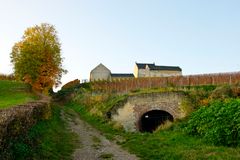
x=143, y=65
x=126, y=75
x=152, y=66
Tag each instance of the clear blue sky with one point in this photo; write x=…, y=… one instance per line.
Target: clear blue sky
x=200, y=36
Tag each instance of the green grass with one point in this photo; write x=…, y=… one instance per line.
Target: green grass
x=13, y=93
x=164, y=144
x=48, y=139
x=174, y=144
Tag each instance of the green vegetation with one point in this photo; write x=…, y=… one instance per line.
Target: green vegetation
x=46, y=140
x=98, y=103
x=13, y=93
x=206, y=134
x=100, y=123
x=172, y=143
x=9, y=77
x=175, y=140
x=65, y=93
x=97, y=142
x=218, y=123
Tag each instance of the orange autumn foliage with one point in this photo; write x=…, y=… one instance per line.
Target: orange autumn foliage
x=37, y=59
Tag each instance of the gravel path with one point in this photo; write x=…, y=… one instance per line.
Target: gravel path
x=92, y=145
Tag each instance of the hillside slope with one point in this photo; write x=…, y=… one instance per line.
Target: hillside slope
x=170, y=141
x=13, y=93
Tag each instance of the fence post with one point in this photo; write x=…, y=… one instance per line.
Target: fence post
x=189, y=83
x=149, y=83
x=230, y=79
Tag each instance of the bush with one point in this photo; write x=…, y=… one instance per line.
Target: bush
x=198, y=97
x=219, y=123
x=7, y=77
x=222, y=92
x=71, y=84
x=207, y=88
x=67, y=92
x=236, y=90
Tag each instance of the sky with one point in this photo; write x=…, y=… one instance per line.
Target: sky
x=200, y=36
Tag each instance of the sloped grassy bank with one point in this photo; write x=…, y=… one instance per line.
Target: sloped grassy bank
x=179, y=140
x=14, y=93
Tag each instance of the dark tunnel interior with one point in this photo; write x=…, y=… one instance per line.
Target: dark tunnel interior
x=152, y=119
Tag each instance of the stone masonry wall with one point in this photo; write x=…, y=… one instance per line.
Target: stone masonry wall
x=100, y=73
x=131, y=112
x=16, y=121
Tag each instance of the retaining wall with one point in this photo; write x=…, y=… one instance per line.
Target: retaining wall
x=17, y=120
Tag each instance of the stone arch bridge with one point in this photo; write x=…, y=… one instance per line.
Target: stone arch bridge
x=145, y=112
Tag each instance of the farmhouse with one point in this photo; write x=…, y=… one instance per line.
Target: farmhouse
x=101, y=72
x=151, y=70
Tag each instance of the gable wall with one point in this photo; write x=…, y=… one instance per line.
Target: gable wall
x=100, y=73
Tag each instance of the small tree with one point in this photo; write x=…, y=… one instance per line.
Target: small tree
x=37, y=59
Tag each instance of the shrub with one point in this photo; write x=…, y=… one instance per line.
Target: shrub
x=222, y=92
x=207, y=88
x=71, y=84
x=236, y=90
x=219, y=123
x=67, y=92
x=197, y=97
x=7, y=77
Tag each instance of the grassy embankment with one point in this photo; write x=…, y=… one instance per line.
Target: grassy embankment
x=14, y=93
x=48, y=139
x=168, y=143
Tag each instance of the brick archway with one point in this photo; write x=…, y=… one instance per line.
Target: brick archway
x=136, y=106
x=150, y=120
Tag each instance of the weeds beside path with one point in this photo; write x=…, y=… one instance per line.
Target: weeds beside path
x=93, y=145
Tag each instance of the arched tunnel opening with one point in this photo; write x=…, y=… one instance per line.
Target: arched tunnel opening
x=152, y=119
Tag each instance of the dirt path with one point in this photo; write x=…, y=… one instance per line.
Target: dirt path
x=92, y=145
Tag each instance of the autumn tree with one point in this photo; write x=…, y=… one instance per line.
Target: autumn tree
x=37, y=58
